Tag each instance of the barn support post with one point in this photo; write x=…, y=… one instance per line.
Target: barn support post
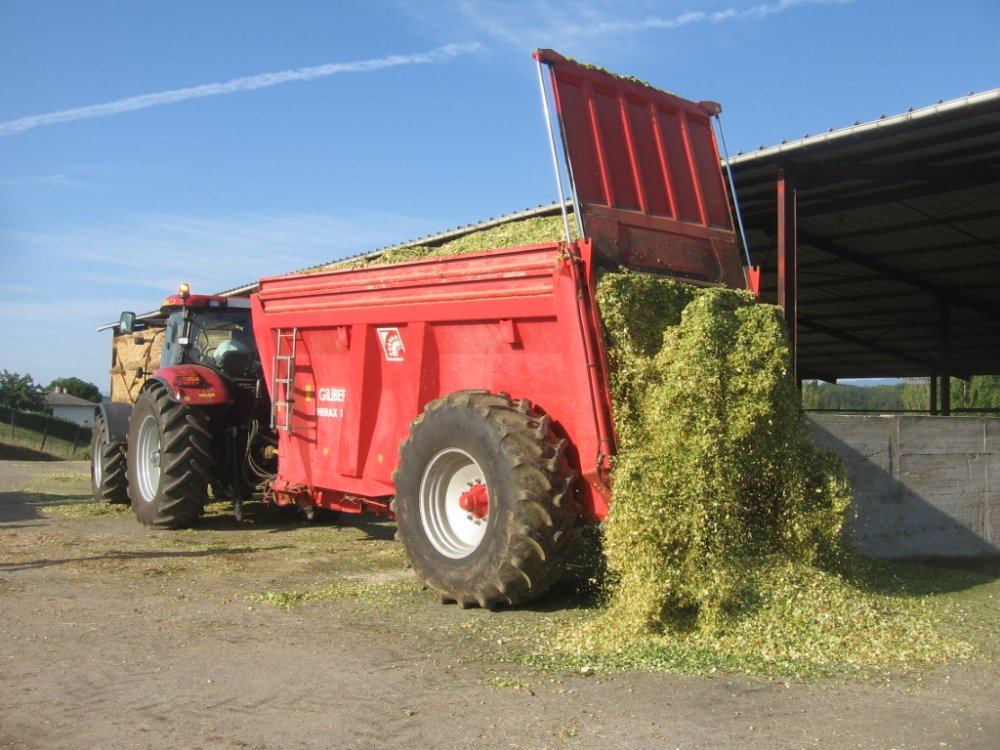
x=945, y=358
x=933, y=400
x=787, y=237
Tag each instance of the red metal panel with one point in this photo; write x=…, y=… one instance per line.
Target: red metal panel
x=637, y=155
x=525, y=275
x=377, y=344
x=194, y=384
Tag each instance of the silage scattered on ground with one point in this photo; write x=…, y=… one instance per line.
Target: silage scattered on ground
x=809, y=623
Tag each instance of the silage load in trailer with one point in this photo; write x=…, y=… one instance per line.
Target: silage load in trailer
x=533, y=231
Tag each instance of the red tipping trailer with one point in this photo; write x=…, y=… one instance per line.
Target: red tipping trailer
x=467, y=395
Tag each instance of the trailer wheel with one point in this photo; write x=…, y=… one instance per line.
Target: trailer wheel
x=169, y=454
x=108, y=470
x=483, y=500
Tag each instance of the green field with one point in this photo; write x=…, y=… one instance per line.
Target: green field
x=21, y=444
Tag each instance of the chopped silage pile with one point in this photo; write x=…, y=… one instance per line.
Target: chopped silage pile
x=714, y=472
x=724, y=535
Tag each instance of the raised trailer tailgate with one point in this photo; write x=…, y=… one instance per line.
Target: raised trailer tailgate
x=646, y=175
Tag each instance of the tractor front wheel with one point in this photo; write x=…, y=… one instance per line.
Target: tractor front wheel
x=169, y=455
x=483, y=499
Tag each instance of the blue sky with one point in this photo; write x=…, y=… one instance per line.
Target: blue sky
x=147, y=143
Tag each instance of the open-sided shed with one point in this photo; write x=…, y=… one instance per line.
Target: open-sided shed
x=882, y=240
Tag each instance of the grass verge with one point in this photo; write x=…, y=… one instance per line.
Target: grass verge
x=28, y=445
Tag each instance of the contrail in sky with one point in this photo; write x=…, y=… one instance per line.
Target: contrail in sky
x=691, y=17
x=249, y=83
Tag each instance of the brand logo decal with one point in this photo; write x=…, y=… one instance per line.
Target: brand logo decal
x=392, y=344
x=331, y=395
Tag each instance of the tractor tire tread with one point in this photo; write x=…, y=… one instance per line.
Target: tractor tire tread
x=110, y=485
x=185, y=458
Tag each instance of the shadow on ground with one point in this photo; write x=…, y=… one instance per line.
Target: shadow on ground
x=126, y=556
x=21, y=453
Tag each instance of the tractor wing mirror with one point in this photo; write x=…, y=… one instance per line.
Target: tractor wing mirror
x=126, y=324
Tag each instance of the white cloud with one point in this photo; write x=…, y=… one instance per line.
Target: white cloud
x=694, y=17
x=84, y=177
x=249, y=83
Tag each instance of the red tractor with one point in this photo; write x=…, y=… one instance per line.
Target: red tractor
x=199, y=421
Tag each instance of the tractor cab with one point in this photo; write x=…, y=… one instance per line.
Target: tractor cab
x=210, y=331
x=208, y=354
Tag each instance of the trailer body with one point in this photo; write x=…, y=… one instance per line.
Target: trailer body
x=372, y=347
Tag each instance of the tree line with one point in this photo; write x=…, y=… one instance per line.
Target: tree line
x=912, y=395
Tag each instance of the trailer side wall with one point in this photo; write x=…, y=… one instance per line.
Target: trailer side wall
x=373, y=346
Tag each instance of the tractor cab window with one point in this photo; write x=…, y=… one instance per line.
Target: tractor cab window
x=220, y=339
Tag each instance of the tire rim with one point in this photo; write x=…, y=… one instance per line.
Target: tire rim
x=148, y=459
x=97, y=457
x=454, y=532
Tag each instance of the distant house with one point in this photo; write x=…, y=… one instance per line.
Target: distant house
x=58, y=403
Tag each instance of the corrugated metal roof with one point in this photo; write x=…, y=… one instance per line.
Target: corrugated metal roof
x=898, y=240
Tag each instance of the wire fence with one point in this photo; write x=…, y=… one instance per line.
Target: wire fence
x=44, y=434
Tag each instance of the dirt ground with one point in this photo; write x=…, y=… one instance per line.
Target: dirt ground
x=114, y=636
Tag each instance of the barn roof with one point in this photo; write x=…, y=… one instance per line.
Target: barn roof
x=898, y=228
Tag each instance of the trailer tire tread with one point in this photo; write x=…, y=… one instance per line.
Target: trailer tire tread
x=529, y=482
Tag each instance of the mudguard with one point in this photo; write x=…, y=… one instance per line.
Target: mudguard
x=194, y=385
x=115, y=418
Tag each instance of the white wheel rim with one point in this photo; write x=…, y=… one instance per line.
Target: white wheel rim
x=454, y=532
x=148, y=459
x=97, y=458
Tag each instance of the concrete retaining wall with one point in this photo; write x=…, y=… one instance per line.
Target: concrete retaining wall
x=924, y=487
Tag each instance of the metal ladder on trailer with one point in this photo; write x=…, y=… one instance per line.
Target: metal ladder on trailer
x=283, y=377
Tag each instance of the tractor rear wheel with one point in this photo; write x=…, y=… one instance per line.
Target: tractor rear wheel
x=108, y=470
x=169, y=455
x=483, y=500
